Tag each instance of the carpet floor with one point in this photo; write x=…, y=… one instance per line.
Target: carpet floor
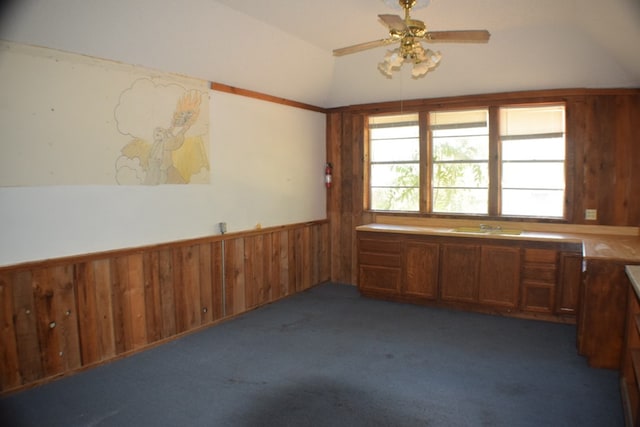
x=329, y=357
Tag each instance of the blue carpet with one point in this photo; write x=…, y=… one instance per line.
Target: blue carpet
x=328, y=357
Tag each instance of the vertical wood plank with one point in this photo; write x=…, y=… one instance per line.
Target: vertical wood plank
x=66, y=315
x=57, y=321
x=252, y=271
x=10, y=369
x=186, y=288
x=152, y=296
x=48, y=330
x=87, y=313
x=285, y=263
x=275, y=277
x=292, y=258
x=167, y=295
x=313, y=254
x=266, y=292
x=206, y=283
x=305, y=248
x=120, y=308
x=234, y=276
x=334, y=194
x=217, y=281
x=104, y=308
x=575, y=159
x=357, y=202
x=26, y=325
x=136, y=301
x=326, y=253
x=295, y=260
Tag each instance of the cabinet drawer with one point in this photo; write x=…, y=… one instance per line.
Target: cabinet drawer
x=541, y=256
x=380, y=279
x=544, y=273
x=380, y=246
x=385, y=260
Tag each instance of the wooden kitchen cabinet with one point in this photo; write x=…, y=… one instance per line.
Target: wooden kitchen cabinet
x=499, y=276
x=539, y=277
x=379, y=259
x=602, y=314
x=480, y=274
x=459, y=266
x=508, y=276
x=567, y=296
x=421, y=269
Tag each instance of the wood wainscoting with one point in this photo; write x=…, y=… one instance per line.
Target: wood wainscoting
x=63, y=315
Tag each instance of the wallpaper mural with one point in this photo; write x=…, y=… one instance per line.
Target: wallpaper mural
x=68, y=119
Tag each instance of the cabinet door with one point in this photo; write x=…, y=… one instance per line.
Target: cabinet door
x=569, y=283
x=459, y=272
x=421, y=269
x=499, y=276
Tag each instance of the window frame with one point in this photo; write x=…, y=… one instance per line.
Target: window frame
x=495, y=163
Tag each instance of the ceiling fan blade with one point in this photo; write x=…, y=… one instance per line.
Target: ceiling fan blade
x=362, y=46
x=464, y=36
x=394, y=22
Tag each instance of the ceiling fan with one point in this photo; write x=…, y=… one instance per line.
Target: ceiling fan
x=409, y=33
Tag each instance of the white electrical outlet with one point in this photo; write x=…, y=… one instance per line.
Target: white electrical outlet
x=591, y=214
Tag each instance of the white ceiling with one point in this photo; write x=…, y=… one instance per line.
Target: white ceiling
x=284, y=47
x=535, y=44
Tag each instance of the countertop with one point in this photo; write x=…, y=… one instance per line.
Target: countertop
x=615, y=247
x=633, y=271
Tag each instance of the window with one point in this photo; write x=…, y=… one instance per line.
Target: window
x=465, y=164
x=394, y=176
x=460, y=159
x=533, y=152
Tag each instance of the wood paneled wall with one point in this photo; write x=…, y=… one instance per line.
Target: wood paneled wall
x=603, y=136
x=60, y=316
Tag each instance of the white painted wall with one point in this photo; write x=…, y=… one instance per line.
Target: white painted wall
x=267, y=164
x=197, y=38
x=267, y=159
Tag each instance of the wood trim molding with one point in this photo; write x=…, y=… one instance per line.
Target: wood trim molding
x=549, y=95
x=264, y=97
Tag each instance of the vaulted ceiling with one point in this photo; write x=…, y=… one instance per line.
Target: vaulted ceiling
x=535, y=44
x=284, y=47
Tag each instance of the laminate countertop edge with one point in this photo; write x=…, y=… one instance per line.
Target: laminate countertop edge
x=633, y=272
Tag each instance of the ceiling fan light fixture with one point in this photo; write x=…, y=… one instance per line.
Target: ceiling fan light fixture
x=423, y=61
x=391, y=62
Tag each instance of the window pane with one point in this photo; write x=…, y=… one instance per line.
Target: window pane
x=460, y=161
x=394, y=150
x=546, y=203
x=467, y=148
x=447, y=200
x=474, y=175
x=411, y=131
x=395, y=199
x=531, y=120
x=532, y=147
x=533, y=175
x=395, y=175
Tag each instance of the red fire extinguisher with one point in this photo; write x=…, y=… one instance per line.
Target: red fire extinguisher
x=328, y=170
